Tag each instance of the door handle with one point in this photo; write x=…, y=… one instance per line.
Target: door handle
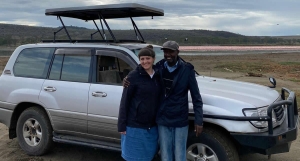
x=49, y=89
x=99, y=94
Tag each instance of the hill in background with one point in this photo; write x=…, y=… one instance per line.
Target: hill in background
x=14, y=35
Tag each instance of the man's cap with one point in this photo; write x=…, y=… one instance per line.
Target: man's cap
x=172, y=45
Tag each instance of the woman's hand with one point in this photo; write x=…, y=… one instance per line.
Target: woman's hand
x=123, y=133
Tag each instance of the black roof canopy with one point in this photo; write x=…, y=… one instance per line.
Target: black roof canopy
x=101, y=13
x=107, y=11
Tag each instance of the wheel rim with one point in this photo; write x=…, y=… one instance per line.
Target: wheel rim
x=32, y=132
x=200, y=152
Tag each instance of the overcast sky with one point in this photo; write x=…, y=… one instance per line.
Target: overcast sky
x=246, y=17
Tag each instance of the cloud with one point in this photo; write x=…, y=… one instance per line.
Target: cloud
x=254, y=17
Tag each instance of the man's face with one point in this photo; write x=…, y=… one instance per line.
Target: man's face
x=171, y=56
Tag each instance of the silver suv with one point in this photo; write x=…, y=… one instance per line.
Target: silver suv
x=69, y=91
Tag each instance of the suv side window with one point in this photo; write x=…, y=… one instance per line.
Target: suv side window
x=73, y=67
x=33, y=62
x=56, y=67
x=112, y=67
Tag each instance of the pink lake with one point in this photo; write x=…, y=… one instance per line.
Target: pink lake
x=239, y=48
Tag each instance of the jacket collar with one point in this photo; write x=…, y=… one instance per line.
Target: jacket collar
x=161, y=63
x=142, y=71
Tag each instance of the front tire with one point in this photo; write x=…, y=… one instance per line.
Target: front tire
x=211, y=145
x=34, y=131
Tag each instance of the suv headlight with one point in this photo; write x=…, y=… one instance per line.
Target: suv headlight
x=257, y=112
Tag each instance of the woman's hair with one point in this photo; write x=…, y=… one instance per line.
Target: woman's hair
x=147, y=51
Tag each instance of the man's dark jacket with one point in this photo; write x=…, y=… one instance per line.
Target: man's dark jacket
x=140, y=100
x=174, y=107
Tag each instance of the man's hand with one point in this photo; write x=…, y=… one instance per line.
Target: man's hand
x=123, y=133
x=125, y=82
x=198, y=130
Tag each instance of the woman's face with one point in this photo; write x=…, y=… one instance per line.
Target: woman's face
x=146, y=62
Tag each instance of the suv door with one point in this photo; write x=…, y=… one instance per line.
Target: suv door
x=106, y=91
x=65, y=92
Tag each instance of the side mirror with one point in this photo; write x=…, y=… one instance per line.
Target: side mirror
x=273, y=82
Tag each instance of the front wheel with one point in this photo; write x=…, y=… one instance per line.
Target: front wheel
x=211, y=145
x=34, y=131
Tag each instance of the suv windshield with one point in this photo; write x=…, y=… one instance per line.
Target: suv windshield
x=159, y=54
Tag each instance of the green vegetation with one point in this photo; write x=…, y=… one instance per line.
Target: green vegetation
x=294, y=67
x=298, y=99
x=244, y=67
x=14, y=35
x=259, y=67
x=289, y=63
x=294, y=80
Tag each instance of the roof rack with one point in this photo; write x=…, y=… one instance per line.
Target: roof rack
x=103, y=12
x=92, y=41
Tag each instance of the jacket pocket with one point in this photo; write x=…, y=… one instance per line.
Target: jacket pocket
x=142, y=114
x=174, y=113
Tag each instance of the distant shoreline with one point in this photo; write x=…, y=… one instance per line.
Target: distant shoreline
x=239, y=48
x=216, y=53
x=211, y=50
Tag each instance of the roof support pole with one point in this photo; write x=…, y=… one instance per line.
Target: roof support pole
x=56, y=33
x=137, y=37
x=96, y=31
x=65, y=28
x=102, y=26
x=136, y=29
x=112, y=35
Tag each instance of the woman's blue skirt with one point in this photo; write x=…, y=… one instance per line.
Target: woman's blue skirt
x=139, y=144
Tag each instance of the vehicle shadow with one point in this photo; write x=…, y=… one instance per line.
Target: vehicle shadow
x=66, y=152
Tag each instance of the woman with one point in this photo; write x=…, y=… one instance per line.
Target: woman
x=138, y=107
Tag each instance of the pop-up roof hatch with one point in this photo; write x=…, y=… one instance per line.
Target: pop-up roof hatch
x=103, y=12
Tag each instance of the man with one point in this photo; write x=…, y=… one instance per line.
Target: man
x=177, y=79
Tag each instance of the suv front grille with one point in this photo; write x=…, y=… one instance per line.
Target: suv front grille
x=279, y=112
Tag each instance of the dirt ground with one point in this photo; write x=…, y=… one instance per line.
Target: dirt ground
x=10, y=151
x=285, y=67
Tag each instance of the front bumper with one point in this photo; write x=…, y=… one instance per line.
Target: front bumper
x=276, y=140
x=265, y=143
